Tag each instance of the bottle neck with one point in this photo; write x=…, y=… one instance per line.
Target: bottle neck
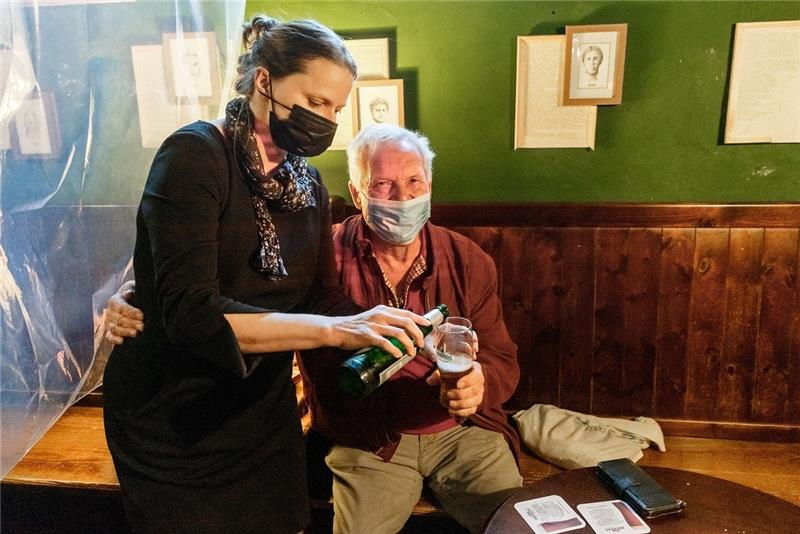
x=436, y=317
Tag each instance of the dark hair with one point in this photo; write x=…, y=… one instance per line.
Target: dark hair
x=283, y=48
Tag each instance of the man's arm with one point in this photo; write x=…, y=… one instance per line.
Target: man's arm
x=121, y=318
x=496, y=373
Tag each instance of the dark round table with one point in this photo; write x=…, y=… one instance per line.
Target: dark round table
x=712, y=504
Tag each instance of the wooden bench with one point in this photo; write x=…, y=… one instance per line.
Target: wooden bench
x=67, y=483
x=686, y=313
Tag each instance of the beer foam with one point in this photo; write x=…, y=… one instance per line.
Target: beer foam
x=453, y=363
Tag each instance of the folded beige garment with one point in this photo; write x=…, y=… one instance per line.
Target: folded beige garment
x=573, y=440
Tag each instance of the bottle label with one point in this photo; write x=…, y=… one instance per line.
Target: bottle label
x=387, y=373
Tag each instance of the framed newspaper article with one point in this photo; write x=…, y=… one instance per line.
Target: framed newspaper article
x=764, y=90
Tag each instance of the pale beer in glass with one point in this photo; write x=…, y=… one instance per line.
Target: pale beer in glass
x=454, y=353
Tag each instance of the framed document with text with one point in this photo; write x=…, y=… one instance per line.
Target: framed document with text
x=764, y=91
x=371, y=56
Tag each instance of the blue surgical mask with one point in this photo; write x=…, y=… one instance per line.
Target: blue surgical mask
x=397, y=221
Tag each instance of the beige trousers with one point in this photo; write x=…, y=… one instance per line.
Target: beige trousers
x=471, y=471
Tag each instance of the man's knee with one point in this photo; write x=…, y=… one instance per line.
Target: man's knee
x=370, y=495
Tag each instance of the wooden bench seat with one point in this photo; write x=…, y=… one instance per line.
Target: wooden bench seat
x=73, y=457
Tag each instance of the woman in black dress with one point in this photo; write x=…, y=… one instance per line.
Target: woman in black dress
x=234, y=270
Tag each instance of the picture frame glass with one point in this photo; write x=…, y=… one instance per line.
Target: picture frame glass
x=379, y=104
x=371, y=56
x=191, y=64
x=191, y=67
x=345, y=125
x=593, y=65
x=5, y=136
x=32, y=128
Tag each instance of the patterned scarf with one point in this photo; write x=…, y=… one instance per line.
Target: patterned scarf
x=287, y=188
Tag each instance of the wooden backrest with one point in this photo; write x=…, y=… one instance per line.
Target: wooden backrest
x=686, y=313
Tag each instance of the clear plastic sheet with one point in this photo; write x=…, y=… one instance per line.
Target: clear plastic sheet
x=88, y=90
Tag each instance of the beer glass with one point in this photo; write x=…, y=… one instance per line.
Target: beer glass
x=453, y=353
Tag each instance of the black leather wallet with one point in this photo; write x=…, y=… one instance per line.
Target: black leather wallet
x=637, y=488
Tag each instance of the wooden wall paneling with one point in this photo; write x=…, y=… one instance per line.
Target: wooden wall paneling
x=706, y=322
x=641, y=321
x=618, y=215
x=611, y=264
x=517, y=265
x=743, y=305
x=576, y=317
x=793, y=369
x=490, y=240
x=544, y=280
x=675, y=283
x=775, y=361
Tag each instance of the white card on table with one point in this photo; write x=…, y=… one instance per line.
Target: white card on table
x=615, y=517
x=549, y=515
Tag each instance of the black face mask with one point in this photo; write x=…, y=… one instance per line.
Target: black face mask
x=304, y=133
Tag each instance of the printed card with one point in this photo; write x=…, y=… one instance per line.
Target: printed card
x=549, y=515
x=615, y=517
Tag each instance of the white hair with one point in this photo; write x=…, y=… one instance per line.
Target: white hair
x=376, y=136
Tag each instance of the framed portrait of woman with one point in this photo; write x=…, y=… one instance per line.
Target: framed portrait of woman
x=36, y=129
x=594, y=64
x=380, y=101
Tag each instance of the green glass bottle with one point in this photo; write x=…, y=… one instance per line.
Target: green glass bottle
x=370, y=367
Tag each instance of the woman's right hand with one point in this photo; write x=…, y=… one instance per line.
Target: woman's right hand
x=370, y=328
x=121, y=319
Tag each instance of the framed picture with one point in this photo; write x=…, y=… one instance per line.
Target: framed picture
x=5, y=66
x=379, y=101
x=539, y=120
x=158, y=117
x=5, y=136
x=372, y=57
x=764, y=88
x=36, y=128
x=191, y=66
x=346, y=125
x=594, y=63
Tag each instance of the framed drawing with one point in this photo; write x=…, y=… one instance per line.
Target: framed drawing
x=5, y=136
x=372, y=57
x=191, y=66
x=379, y=101
x=158, y=117
x=36, y=128
x=594, y=64
x=5, y=66
x=347, y=121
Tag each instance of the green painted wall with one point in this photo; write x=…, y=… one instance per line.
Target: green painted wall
x=661, y=144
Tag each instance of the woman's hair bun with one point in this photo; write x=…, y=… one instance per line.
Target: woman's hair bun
x=255, y=27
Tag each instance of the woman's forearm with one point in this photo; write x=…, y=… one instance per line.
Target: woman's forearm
x=277, y=332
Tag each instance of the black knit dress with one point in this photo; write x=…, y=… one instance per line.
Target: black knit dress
x=204, y=438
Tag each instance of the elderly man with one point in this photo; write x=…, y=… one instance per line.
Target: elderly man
x=387, y=446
